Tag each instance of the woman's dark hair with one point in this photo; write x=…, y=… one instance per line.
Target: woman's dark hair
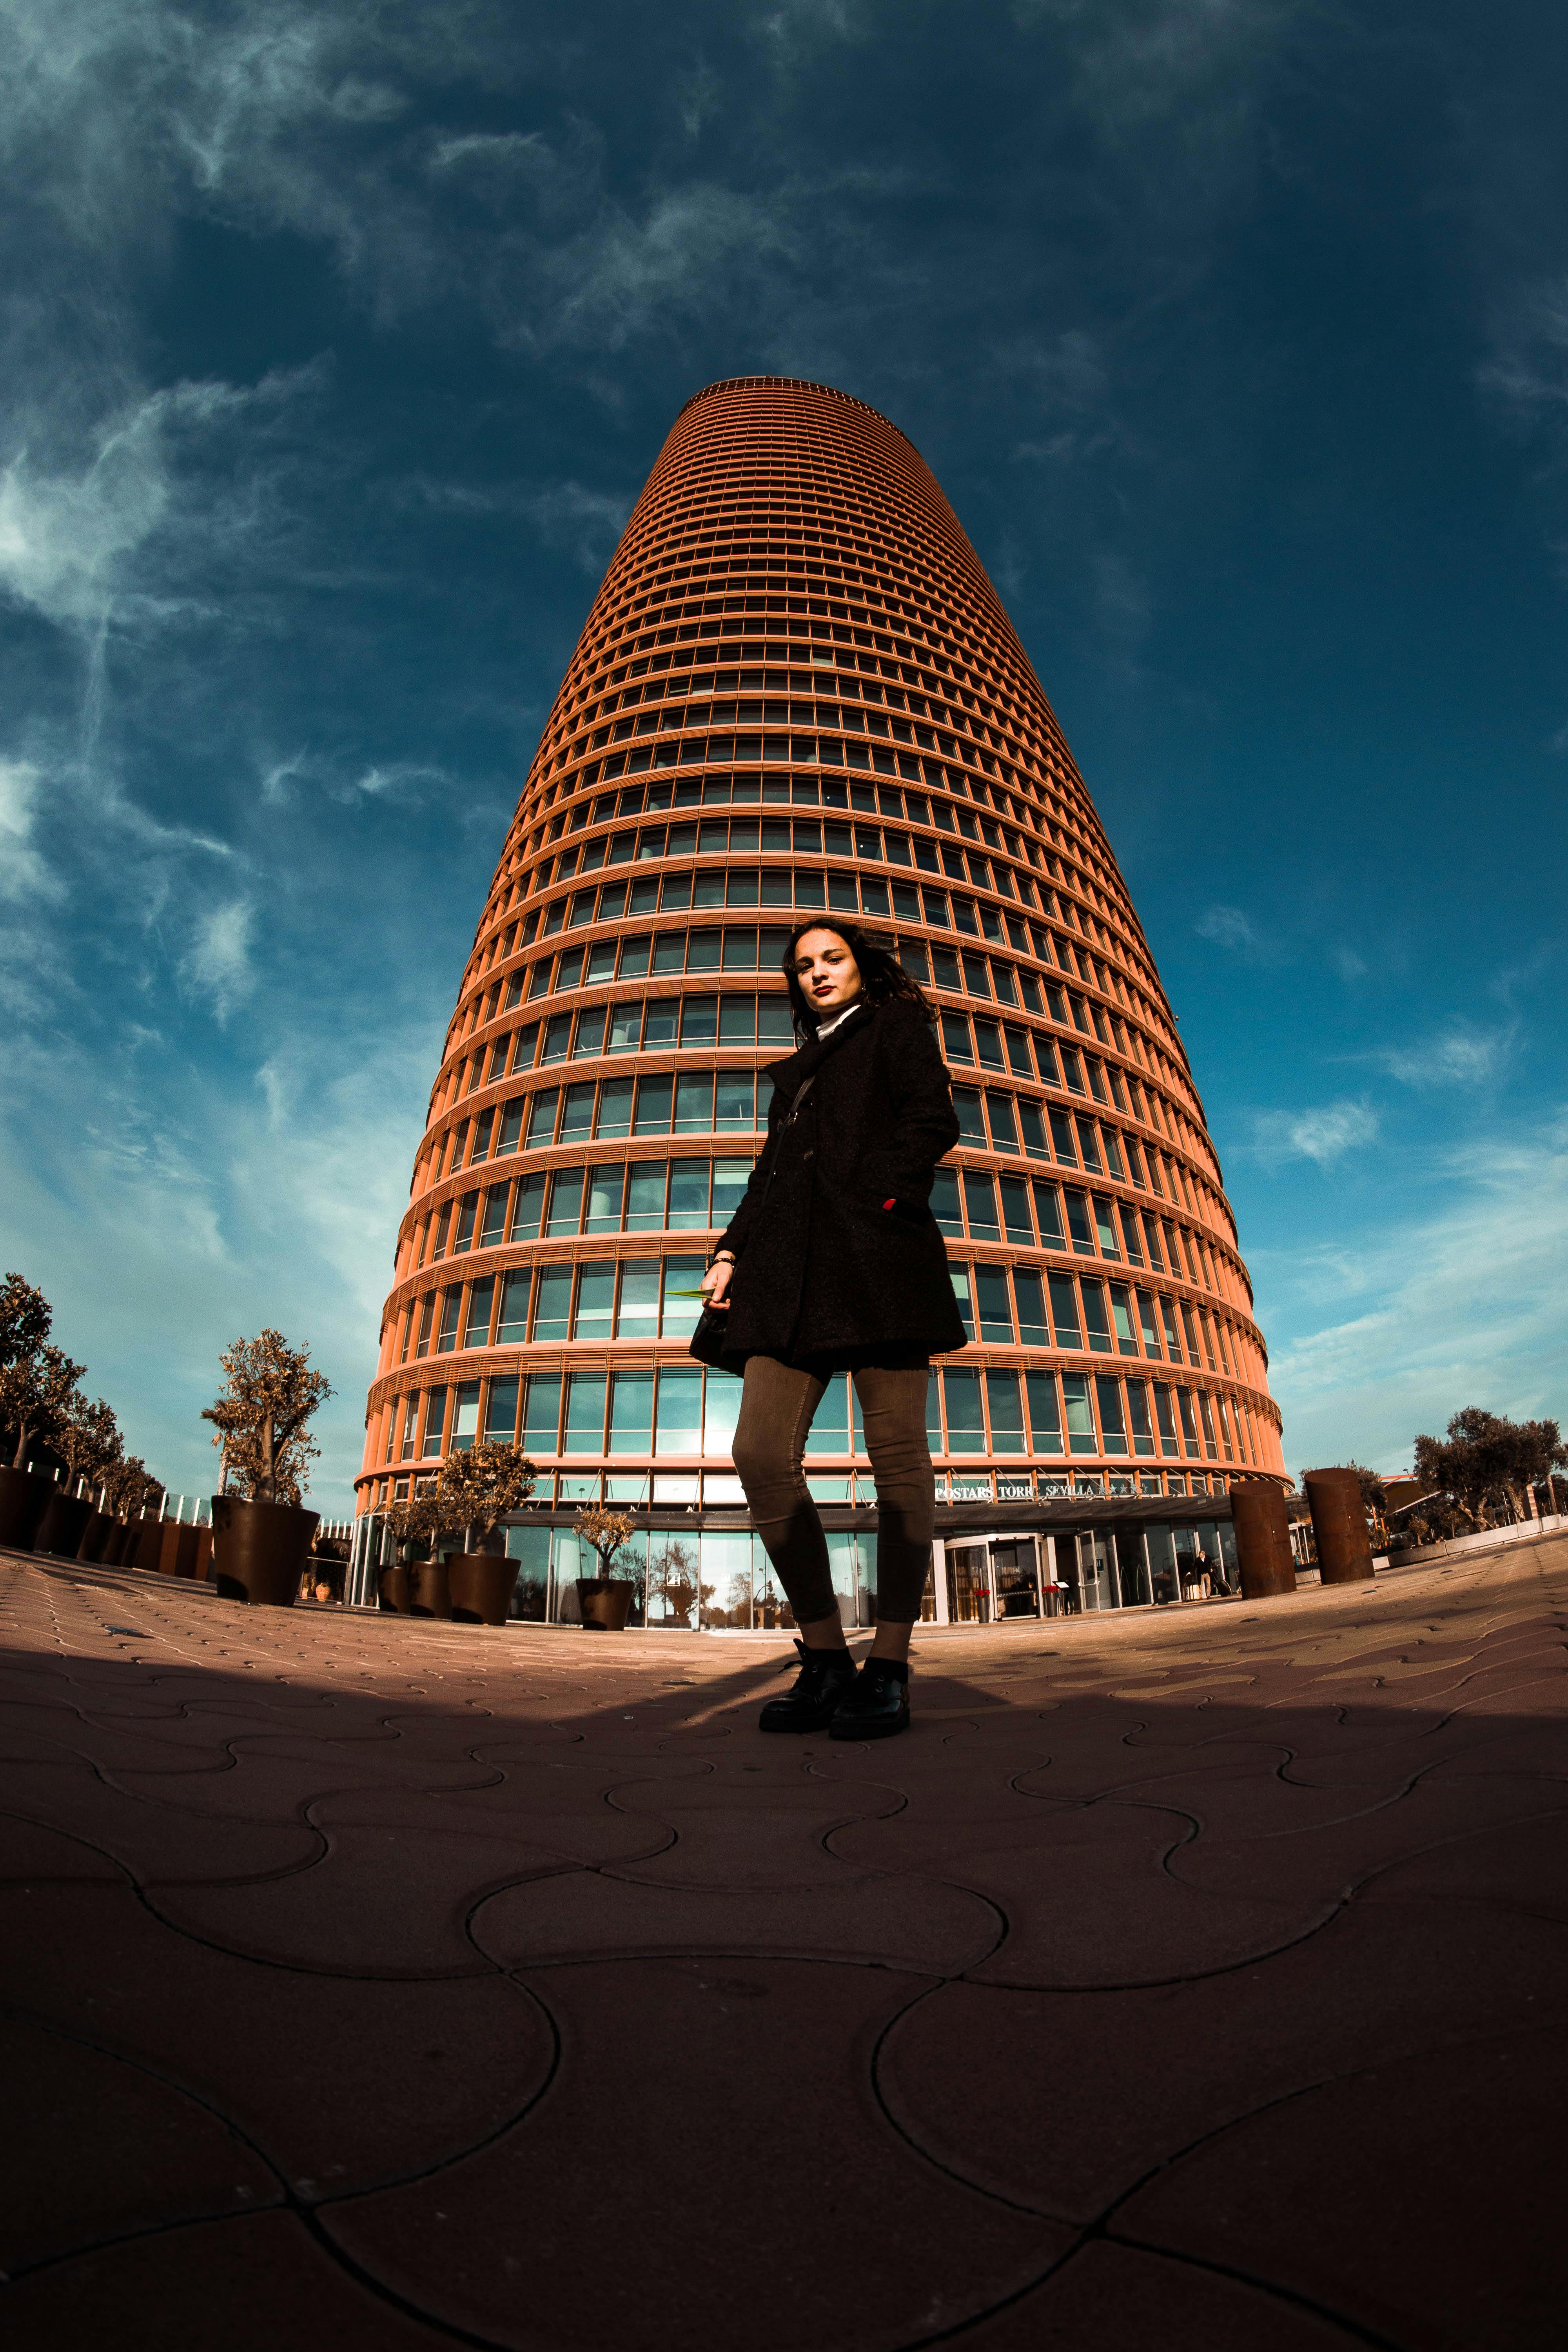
x=882, y=976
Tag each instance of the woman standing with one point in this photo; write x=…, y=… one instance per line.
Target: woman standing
x=833, y=1263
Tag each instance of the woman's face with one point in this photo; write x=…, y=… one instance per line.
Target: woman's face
x=827, y=973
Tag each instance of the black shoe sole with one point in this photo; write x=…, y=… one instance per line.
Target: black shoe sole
x=797, y=1730
x=872, y=1727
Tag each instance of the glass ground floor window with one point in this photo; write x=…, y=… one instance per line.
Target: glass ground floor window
x=1069, y=1572
x=684, y=1581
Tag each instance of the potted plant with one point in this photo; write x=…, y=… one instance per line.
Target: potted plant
x=130, y=1488
x=484, y=1482
x=604, y=1600
x=419, y=1524
x=89, y=1444
x=261, y=1533
x=36, y=1382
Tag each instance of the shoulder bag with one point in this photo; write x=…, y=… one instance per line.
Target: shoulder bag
x=707, y=1343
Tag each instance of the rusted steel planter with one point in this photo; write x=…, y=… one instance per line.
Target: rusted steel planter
x=481, y=1584
x=605, y=1601
x=24, y=1497
x=258, y=1550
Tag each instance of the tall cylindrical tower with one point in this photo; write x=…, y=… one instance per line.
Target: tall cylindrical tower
x=797, y=690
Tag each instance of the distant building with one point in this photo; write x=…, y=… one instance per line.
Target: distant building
x=796, y=691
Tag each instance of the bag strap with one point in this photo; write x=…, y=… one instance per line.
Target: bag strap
x=788, y=1120
x=799, y=1096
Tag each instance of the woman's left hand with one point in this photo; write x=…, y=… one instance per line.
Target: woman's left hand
x=716, y=1284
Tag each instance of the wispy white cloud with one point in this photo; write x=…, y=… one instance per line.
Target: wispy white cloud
x=217, y=965
x=1324, y=1135
x=489, y=153
x=1460, y=1306
x=223, y=1198
x=62, y=534
x=1137, y=62
x=1229, y=927
x=1527, y=371
x=115, y=523
x=699, y=97
x=1459, y=1056
x=396, y=776
x=24, y=871
x=583, y=521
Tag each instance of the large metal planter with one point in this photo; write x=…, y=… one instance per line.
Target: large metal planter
x=259, y=1549
x=1262, y=1539
x=394, y=1592
x=481, y=1584
x=429, y=1593
x=24, y=1498
x=146, y=1550
x=177, y=1551
x=63, y=1524
x=605, y=1601
x=1339, y=1527
x=96, y=1538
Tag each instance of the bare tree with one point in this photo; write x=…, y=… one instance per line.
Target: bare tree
x=263, y=1415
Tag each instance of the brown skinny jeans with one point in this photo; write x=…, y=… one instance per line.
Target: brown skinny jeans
x=777, y=1406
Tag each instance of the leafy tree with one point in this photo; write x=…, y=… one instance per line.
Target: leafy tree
x=89, y=1442
x=263, y=1416
x=485, y=1481
x=604, y=1531
x=37, y=1390
x=1487, y=1459
x=131, y=1487
x=427, y=1515
x=25, y=1319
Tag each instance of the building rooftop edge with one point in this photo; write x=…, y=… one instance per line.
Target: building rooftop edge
x=793, y=383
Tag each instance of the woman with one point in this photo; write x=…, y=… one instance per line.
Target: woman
x=833, y=1262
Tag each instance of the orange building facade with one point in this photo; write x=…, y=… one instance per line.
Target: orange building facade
x=797, y=691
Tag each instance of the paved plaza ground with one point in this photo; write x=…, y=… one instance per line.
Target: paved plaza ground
x=1190, y=1980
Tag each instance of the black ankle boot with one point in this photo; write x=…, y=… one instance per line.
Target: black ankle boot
x=877, y=1704
x=825, y=1678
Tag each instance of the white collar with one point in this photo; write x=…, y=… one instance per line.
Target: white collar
x=825, y=1028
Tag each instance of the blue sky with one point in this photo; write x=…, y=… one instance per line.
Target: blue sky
x=339, y=340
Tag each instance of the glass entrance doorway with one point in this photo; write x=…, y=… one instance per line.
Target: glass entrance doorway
x=968, y=1584
x=1016, y=1572
x=992, y=1579
x=1097, y=1578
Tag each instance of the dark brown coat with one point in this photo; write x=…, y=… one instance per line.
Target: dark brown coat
x=824, y=1270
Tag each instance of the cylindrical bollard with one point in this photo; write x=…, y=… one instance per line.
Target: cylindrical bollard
x=1262, y=1540
x=1338, y=1524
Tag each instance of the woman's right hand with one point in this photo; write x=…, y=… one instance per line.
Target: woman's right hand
x=716, y=1282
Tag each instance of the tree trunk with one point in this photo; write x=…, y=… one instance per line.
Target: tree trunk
x=268, y=1493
